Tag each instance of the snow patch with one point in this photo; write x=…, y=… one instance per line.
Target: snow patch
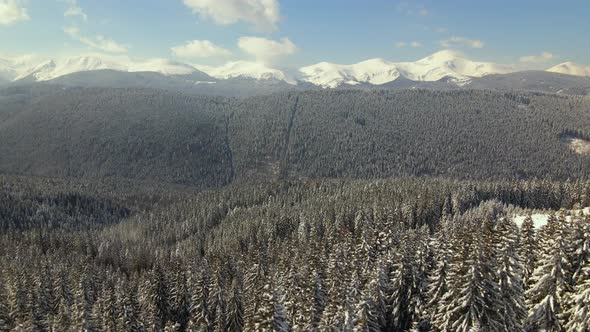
x=578, y=145
x=540, y=219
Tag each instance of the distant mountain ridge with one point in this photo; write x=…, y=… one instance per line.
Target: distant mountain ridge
x=443, y=64
x=448, y=67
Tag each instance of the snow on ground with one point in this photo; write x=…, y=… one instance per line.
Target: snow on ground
x=578, y=145
x=540, y=219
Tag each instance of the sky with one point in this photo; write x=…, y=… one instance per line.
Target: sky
x=292, y=33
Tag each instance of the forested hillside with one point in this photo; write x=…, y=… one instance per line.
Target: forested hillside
x=394, y=255
x=212, y=141
x=335, y=210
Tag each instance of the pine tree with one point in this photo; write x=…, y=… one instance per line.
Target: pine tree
x=39, y=317
x=510, y=271
x=353, y=298
x=235, y=320
x=549, y=282
x=578, y=301
x=318, y=300
x=219, y=305
x=579, y=311
x=528, y=248
x=6, y=321
x=159, y=296
x=200, y=312
x=179, y=299
x=366, y=319
x=401, y=284
x=474, y=296
x=130, y=316
x=280, y=322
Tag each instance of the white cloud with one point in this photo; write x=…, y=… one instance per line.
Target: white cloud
x=264, y=14
x=423, y=12
x=11, y=12
x=76, y=11
x=414, y=44
x=441, y=30
x=266, y=50
x=99, y=42
x=461, y=42
x=541, y=58
x=199, y=49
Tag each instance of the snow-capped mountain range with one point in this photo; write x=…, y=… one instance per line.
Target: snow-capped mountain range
x=449, y=65
x=443, y=64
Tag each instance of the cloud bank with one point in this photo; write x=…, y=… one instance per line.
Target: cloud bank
x=11, y=12
x=199, y=49
x=99, y=42
x=266, y=50
x=541, y=58
x=459, y=42
x=263, y=14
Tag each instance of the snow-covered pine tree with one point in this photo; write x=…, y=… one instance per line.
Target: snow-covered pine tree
x=159, y=298
x=280, y=321
x=474, y=296
x=235, y=312
x=401, y=283
x=549, y=282
x=577, y=305
x=528, y=249
x=219, y=304
x=366, y=319
x=6, y=320
x=200, y=317
x=130, y=307
x=578, y=313
x=510, y=280
x=353, y=298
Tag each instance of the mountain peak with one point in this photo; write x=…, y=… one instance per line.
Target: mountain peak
x=444, y=55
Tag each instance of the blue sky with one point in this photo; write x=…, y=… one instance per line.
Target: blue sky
x=299, y=32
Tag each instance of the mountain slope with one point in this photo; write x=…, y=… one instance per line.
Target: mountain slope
x=570, y=68
x=534, y=81
x=443, y=64
x=246, y=69
x=210, y=141
x=129, y=133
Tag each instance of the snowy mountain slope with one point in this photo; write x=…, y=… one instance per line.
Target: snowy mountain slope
x=245, y=69
x=443, y=64
x=570, y=68
x=52, y=69
x=11, y=67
